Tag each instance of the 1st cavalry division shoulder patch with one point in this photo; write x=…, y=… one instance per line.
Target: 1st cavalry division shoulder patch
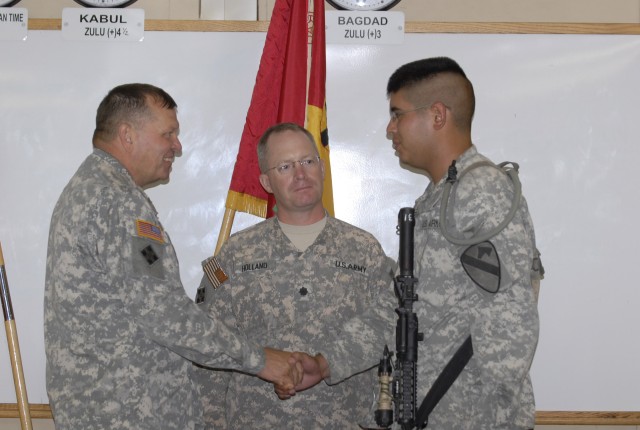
x=482, y=264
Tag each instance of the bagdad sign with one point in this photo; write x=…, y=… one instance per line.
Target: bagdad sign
x=366, y=28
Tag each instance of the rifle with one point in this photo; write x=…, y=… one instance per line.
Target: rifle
x=403, y=388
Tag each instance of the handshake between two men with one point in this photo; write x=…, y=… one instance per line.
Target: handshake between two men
x=291, y=372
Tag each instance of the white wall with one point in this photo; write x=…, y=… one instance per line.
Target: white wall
x=565, y=107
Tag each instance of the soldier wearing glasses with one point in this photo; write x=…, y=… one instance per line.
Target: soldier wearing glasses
x=295, y=280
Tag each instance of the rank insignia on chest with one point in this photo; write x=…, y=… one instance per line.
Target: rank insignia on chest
x=149, y=230
x=214, y=272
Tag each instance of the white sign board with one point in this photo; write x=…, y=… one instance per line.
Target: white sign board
x=13, y=23
x=103, y=24
x=364, y=28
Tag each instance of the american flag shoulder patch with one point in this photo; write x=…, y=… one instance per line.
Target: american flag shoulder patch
x=214, y=272
x=149, y=230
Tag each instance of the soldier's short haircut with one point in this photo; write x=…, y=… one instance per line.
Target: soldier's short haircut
x=436, y=79
x=417, y=71
x=127, y=103
x=275, y=129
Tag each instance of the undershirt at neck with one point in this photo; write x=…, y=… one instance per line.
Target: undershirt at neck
x=302, y=236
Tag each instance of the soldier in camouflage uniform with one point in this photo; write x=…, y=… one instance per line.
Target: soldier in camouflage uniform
x=474, y=263
x=119, y=327
x=432, y=104
x=295, y=281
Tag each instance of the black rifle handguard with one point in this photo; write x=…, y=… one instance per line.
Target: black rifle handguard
x=404, y=380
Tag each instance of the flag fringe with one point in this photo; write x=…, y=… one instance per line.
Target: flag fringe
x=246, y=203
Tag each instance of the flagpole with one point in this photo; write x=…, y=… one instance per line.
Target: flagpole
x=225, y=228
x=14, y=349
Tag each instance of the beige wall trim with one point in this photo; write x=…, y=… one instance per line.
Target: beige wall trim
x=170, y=25
x=10, y=410
x=587, y=418
x=521, y=28
x=411, y=27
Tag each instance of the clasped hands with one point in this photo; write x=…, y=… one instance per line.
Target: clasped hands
x=292, y=372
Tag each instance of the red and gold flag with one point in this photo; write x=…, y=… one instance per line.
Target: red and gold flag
x=317, y=101
x=279, y=95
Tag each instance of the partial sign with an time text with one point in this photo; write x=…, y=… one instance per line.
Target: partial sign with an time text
x=103, y=24
x=14, y=23
x=364, y=28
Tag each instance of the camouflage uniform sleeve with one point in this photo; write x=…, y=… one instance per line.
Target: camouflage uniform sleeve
x=360, y=343
x=214, y=383
x=505, y=324
x=157, y=300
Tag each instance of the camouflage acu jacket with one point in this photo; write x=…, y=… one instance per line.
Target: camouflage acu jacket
x=494, y=391
x=293, y=300
x=119, y=327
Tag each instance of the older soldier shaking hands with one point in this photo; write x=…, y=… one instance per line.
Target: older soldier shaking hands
x=120, y=332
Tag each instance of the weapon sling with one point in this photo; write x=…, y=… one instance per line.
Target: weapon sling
x=444, y=381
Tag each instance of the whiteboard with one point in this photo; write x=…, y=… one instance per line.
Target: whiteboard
x=563, y=106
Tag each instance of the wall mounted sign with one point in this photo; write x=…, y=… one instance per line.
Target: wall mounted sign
x=124, y=25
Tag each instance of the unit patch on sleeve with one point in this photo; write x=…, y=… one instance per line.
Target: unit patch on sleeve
x=200, y=294
x=147, y=257
x=214, y=272
x=482, y=264
x=149, y=254
x=149, y=230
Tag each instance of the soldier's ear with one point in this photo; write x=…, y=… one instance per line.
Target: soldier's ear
x=439, y=111
x=125, y=136
x=266, y=184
